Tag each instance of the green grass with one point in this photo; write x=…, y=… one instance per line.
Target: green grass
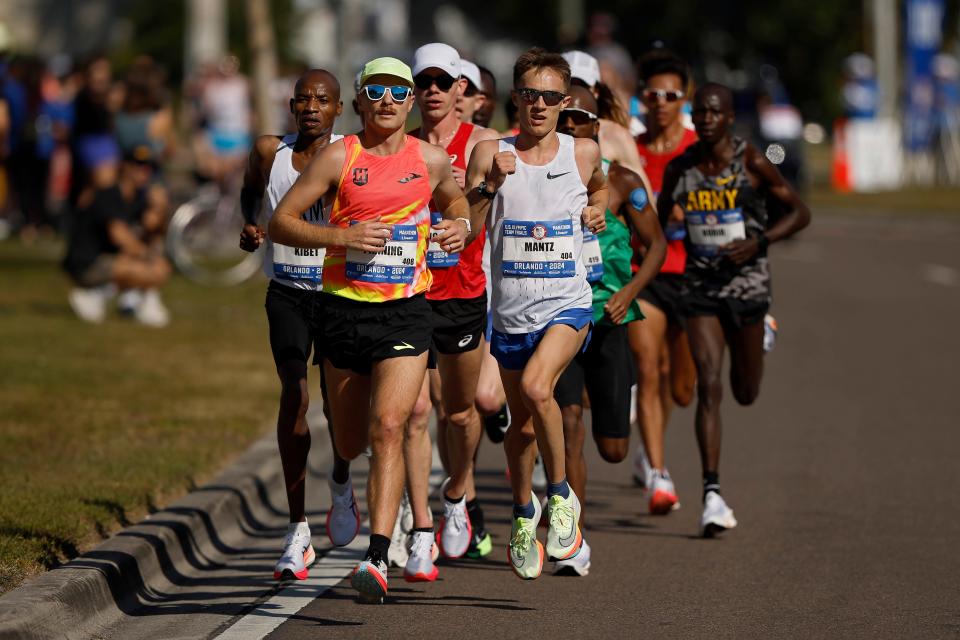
x=101, y=424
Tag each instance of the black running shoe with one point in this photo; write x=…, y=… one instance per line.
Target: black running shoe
x=496, y=425
x=481, y=544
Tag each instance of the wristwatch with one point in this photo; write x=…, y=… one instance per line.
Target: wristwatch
x=482, y=190
x=467, y=221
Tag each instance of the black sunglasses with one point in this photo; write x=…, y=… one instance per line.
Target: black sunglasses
x=653, y=95
x=578, y=116
x=550, y=98
x=423, y=81
x=471, y=90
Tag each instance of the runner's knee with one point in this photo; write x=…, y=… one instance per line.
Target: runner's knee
x=682, y=392
x=745, y=393
x=387, y=429
x=488, y=401
x=536, y=392
x=462, y=419
x=613, y=450
x=710, y=389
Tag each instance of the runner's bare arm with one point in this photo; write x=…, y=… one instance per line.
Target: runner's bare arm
x=449, y=199
x=319, y=177
x=620, y=145
x=489, y=165
x=796, y=217
x=255, y=176
x=587, y=154
x=643, y=220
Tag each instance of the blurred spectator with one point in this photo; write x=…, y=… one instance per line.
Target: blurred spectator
x=861, y=92
x=116, y=242
x=484, y=114
x=225, y=120
x=54, y=126
x=616, y=64
x=96, y=152
x=146, y=117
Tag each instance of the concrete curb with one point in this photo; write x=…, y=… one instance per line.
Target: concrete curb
x=95, y=590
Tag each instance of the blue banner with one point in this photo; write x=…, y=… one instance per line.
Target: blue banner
x=924, y=31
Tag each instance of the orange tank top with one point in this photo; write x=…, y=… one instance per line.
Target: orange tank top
x=394, y=189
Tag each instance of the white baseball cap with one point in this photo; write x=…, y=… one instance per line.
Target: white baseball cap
x=471, y=72
x=439, y=56
x=583, y=66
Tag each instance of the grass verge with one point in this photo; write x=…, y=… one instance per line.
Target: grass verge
x=101, y=424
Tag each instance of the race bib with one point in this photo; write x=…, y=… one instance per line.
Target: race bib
x=538, y=249
x=395, y=265
x=592, y=258
x=437, y=258
x=302, y=265
x=709, y=230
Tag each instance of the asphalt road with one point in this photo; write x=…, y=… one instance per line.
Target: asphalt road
x=843, y=476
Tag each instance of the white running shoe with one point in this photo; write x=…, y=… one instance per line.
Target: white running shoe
x=129, y=300
x=455, y=530
x=369, y=578
x=397, y=554
x=151, y=310
x=525, y=551
x=539, y=475
x=563, y=530
x=298, y=553
x=422, y=554
x=578, y=565
x=90, y=305
x=663, y=495
x=642, y=471
x=343, y=518
x=717, y=516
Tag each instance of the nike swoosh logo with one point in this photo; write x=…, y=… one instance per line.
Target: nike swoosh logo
x=564, y=318
x=556, y=175
x=412, y=176
x=571, y=538
x=727, y=180
x=402, y=346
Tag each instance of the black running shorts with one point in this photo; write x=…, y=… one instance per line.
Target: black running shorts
x=732, y=312
x=357, y=334
x=666, y=292
x=295, y=320
x=608, y=372
x=459, y=323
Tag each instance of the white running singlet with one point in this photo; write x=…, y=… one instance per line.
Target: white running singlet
x=291, y=266
x=536, y=242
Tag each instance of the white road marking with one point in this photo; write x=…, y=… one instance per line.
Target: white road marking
x=325, y=573
x=941, y=274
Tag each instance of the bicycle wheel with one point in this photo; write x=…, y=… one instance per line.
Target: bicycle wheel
x=203, y=243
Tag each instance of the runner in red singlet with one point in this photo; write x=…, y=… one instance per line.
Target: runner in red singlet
x=458, y=300
x=377, y=324
x=665, y=368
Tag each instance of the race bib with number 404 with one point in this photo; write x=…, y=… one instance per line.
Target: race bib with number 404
x=538, y=249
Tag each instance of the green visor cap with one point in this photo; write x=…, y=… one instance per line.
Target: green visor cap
x=389, y=67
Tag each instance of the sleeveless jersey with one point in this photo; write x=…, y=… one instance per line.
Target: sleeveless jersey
x=613, y=244
x=655, y=164
x=458, y=275
x=394, y=189
x=292, y=266
x=718, y=210
x=536, y=242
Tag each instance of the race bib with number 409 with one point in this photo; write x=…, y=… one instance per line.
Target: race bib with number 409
x=395, y=265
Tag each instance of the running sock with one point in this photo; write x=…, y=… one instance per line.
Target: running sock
x=341, y=476
x=338, y=486
x=475, y=513
x=422, y=530
x=524, y=510
x=561, y=489
x=454, y=500
x=379, y=546
x=711, y=482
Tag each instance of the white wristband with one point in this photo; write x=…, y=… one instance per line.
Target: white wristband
x=467, y=221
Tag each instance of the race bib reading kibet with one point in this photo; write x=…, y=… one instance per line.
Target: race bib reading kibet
x=437, y=258
x=303, y=265
x=395, y=265
x=538, y=249
x=592, y=257
x=710, y=230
